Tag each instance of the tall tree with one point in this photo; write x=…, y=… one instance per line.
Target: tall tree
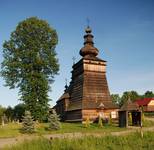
x=2, y=110
x=134, y=96
x=9, y=113
x=19, y=111
x=30, y=63
x=116, y=99
x=149, y=94
x=129, y=95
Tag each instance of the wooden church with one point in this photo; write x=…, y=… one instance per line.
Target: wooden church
x=88, y=95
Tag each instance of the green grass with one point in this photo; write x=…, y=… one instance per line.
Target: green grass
x=78, y=127
x=12, y=129
x=148, y=123
x=149, y=114
x=129, y=142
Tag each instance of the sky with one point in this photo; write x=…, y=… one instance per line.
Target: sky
x=123, y=32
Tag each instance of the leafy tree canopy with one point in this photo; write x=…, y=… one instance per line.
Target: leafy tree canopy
x=149, y=94
x=18, y=111
x=116, y=99
x=9, y=112
x=2, y=110
x=30, y=63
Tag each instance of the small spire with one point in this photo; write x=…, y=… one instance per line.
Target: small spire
x=88, y=22
x=88, y=29
x=66, y=86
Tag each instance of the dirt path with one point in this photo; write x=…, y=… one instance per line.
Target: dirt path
x=12, y=141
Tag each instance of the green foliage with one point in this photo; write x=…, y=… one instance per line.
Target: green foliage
x=100, y=124
x=149, y=114
x=30, y=63
x=19, y=111
x=2, y=110
x=129, y=95
x=127, y=142
x=9, y=113
x=148, y=94
x=54, y=121
x=28, y=124
x=10, y=130
x=16, y=113
x=13, y=129
x=115, y=99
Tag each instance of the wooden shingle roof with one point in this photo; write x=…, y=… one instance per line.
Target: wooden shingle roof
x=129, y=106
x=64, y=96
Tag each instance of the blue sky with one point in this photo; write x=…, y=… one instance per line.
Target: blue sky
x=123, y=32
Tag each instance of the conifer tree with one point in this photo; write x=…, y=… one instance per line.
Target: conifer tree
x=28, y=123
x=54, y=121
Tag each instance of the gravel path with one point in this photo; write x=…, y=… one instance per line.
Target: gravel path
x=15, y=140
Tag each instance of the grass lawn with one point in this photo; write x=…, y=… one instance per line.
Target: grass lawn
x=78, y=127
x=127, y=142
x=12, y=129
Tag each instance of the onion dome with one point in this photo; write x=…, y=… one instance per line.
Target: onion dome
x=88, y=49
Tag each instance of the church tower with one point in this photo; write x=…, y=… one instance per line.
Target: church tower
x=88, y=91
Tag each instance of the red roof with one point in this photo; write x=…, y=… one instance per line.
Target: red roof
x=144, y=101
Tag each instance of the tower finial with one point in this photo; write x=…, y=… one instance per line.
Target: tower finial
x=88, y=22
x=88, y=29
